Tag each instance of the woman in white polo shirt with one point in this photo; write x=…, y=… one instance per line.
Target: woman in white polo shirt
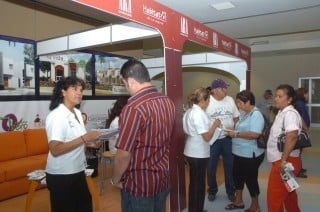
x=67, y=137
x=288, y=118
x=198, y=127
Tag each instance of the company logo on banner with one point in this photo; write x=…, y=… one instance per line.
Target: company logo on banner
x=227, y=45
x=236, y=49
x=215, y=39
x=244, y=52
x=201, y=34
x=184, y=31
x=125, y=7
x=152, y=14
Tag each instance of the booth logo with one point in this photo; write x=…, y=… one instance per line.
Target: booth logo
x=184, y=26
x=215, y=39
x=226, y=45
x=203, y=35
x=125, y=7
x=244, y=52
x=236, y=49
x=154, y=15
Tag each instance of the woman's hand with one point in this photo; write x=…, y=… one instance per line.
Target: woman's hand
x=233, y=134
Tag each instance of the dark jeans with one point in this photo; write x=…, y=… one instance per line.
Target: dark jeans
x=157, y=203
x=221, y=147
x=69, y=193
x=245, y=171
x=197, y=185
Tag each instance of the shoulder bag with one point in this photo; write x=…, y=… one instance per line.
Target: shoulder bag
x=302, y=142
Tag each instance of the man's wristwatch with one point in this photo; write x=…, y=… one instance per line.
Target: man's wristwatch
x=113, y=183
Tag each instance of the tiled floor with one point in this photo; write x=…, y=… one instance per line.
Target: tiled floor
x=309, y=193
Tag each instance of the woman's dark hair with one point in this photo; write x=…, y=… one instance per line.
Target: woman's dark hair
x=289, y=90
x=116, y=109
x=63, y=84
x=135, y=69
x=246, y=96
x=197, y=95
x=300, y=94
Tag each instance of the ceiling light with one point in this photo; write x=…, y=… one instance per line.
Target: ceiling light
x=222, y=5
x=262, y=42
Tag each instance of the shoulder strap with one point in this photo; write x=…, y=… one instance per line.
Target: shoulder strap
x=296, y=112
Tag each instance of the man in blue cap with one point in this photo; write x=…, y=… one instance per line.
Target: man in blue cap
x=224, y=108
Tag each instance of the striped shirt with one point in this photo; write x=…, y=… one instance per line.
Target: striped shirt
x=145, y=128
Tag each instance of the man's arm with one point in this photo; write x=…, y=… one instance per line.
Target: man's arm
x=121, y=163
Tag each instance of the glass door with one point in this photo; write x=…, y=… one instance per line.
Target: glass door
x=312, y=84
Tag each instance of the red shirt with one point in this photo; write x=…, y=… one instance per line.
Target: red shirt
x=145, y=128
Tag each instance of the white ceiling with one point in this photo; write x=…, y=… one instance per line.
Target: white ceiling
x=265, y=25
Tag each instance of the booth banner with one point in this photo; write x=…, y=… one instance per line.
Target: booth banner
x=32, y=114
x=175, y=27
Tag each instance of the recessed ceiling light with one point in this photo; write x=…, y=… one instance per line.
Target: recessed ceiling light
x=222, y=5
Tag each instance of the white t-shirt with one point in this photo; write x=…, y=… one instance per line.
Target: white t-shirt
x=61, y=125
x=225, y=110
x=195, y=123
x=291, y=122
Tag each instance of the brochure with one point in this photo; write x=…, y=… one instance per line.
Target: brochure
x=215, y=136
x=106, y=134
x=289, y=179
x=36, y=175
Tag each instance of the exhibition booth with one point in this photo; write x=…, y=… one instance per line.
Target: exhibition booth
x=180, y=44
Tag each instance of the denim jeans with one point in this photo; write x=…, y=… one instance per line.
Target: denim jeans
x=222, y=147
x=157, y=203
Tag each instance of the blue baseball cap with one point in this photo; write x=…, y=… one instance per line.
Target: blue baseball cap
x=219, y=83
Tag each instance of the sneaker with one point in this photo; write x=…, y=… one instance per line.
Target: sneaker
x=231, y=197
x=211, y=197
x=303, y=170
x=302, y=175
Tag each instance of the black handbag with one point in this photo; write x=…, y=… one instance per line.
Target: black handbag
x=302, y=142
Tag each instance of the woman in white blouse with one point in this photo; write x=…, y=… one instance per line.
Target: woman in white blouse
x=199, y=129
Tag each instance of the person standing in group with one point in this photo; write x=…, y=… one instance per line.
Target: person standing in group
x=141, y=164
x=221, y=107
x=113, y=120
x=199, y=129
x=67, y=136
x=247, y=156
x=265, y=104
x=288, y=118
x=302, y=99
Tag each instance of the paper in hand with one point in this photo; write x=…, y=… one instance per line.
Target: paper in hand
x=215, y=136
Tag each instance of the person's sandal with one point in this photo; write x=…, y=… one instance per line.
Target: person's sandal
x=233, y=206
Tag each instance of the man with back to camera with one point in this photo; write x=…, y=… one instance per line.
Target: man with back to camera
x=224, y=108
x=141, y=164
x=265, y=104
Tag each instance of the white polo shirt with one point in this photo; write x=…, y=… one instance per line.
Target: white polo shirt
x=195, y=123
x=291, y=121
x=61, y=125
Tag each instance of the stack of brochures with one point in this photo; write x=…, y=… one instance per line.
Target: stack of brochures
x=36, y=175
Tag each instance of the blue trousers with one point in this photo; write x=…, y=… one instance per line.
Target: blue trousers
x=221, y=147
x=157, y=203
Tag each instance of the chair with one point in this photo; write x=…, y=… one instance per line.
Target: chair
x=107, y=158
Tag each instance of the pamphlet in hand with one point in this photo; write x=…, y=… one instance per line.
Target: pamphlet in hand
x=106, y=134
x=215, y=135
x=289, y=179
